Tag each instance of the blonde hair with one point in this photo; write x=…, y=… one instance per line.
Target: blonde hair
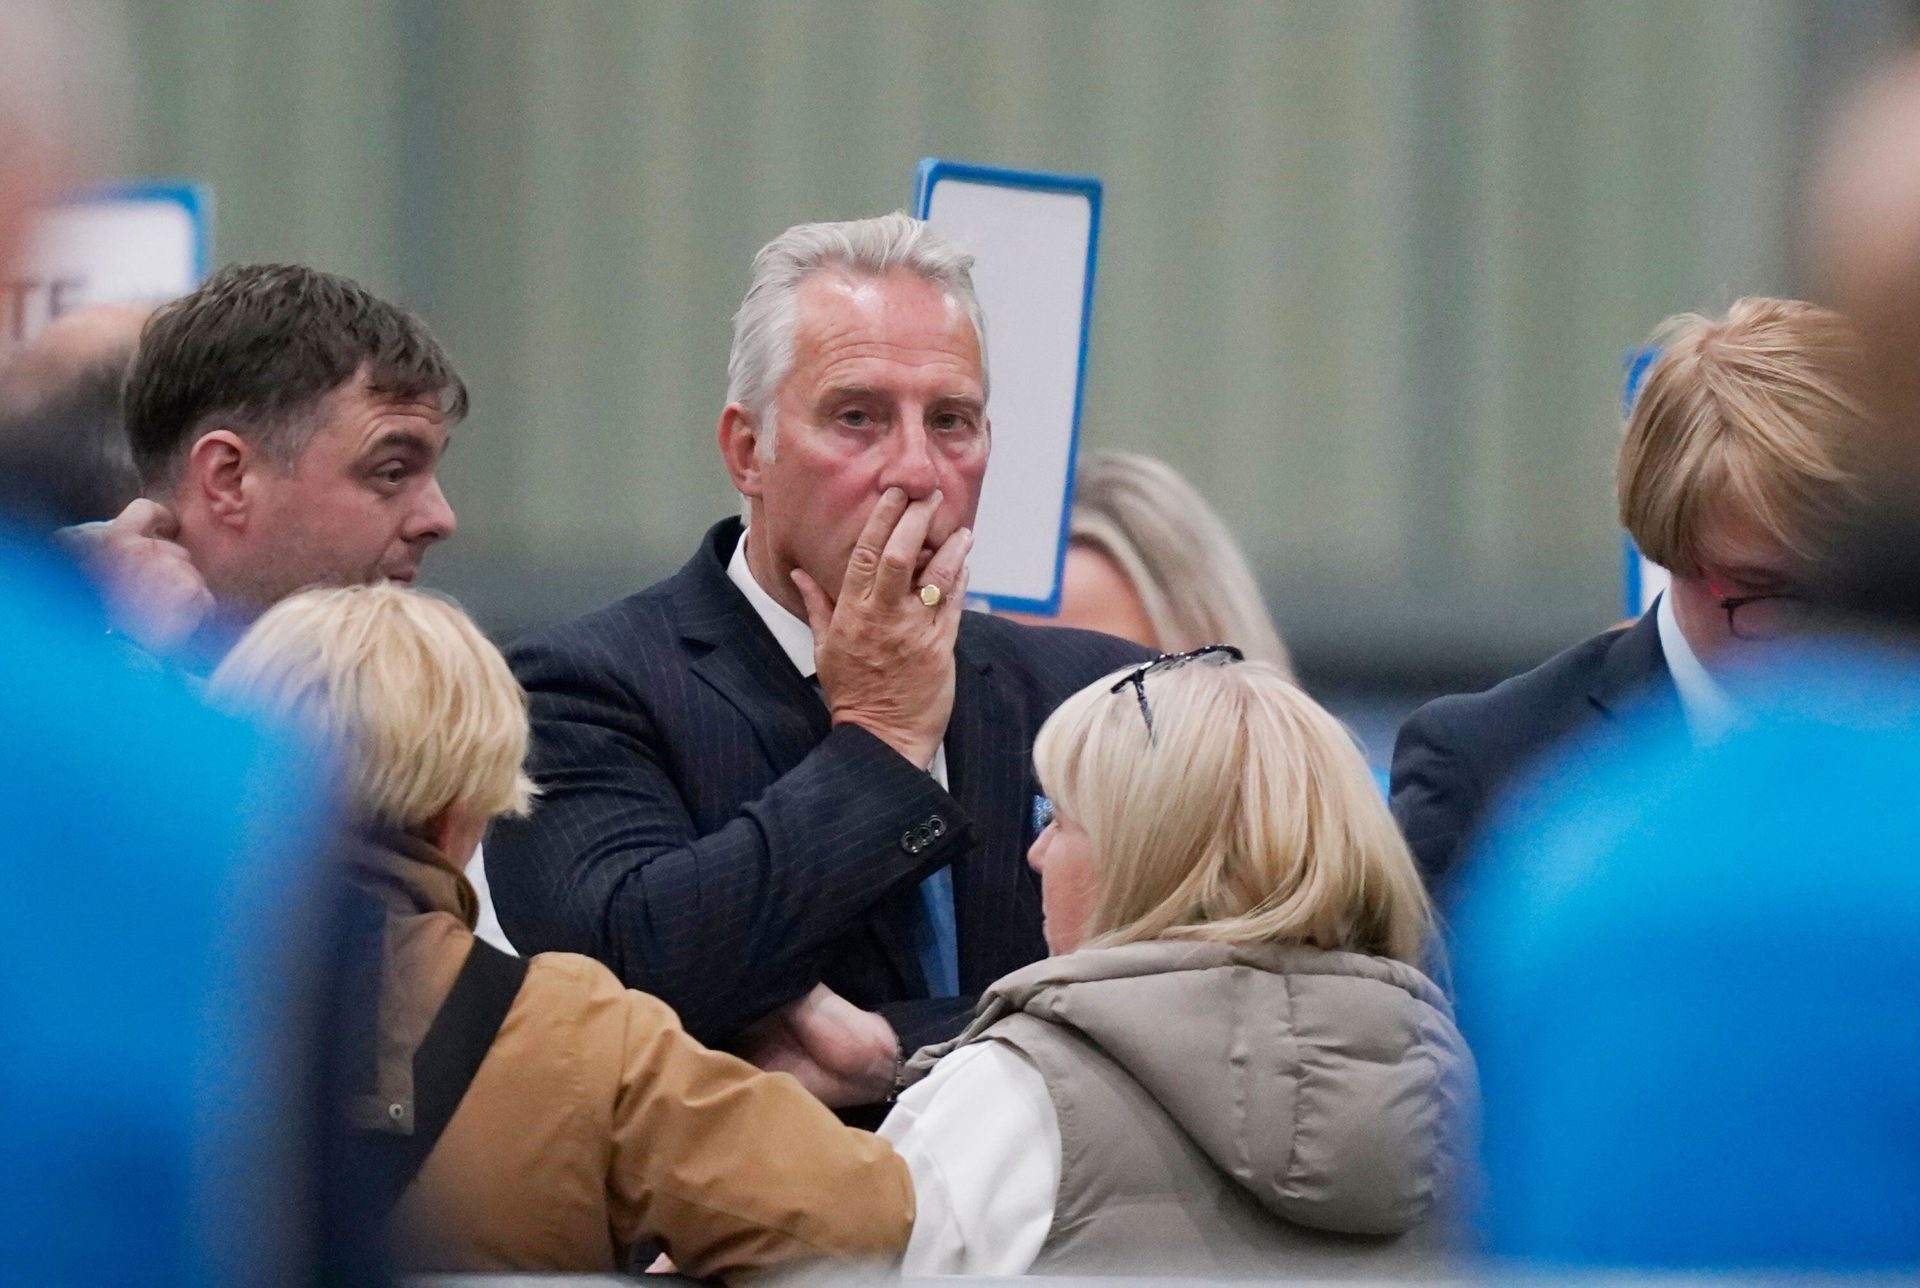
x=1172, y=547
x=1756, y=415
x=419, y=703
x=1248, y=817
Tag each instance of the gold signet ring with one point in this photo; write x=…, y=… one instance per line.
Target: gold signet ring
x=930, y=595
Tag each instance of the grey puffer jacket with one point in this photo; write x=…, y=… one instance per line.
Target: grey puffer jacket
x=1235, y=1109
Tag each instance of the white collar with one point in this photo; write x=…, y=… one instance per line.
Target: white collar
x=1708, y=709
x=794, y=636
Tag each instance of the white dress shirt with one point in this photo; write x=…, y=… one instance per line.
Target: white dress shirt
x=1708, y=710
x=487, y=926
x=982, y=1143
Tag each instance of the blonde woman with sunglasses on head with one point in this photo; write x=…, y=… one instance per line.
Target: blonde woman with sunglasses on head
x=1232, y=1062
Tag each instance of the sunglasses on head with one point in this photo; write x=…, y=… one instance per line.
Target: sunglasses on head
x=1223, y=653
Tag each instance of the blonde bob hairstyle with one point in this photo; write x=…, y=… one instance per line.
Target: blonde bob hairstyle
x=1757, y=416
x=1191, y=576
x=419, y=704
x=1249, y=817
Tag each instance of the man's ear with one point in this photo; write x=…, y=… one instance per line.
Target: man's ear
x=217, y=473
x=739, y=436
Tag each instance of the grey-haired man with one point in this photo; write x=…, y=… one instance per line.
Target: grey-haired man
x=797, y=762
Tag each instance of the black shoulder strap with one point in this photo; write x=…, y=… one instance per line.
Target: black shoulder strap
x=445, y=1065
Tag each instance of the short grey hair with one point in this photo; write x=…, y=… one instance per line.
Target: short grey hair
x=762, y=352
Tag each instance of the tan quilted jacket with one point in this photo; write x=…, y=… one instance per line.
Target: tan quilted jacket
x=595, y=1121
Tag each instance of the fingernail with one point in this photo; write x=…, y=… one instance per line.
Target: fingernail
x=894, y=493
x=966, y=537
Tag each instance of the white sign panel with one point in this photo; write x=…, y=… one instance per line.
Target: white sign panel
x=131, y=244
x=1033, y=238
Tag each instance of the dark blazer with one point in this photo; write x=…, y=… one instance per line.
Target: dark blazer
x=1455, y=754
x=707, y=833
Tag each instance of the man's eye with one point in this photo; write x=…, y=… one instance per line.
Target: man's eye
x=854, y=418
x=393, y=473
x=953, y=422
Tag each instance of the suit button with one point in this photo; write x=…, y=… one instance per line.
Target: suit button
x=909, y=843
x=938, y=826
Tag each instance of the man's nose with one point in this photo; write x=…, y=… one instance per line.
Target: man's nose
x=433, y=518
x=911, y=468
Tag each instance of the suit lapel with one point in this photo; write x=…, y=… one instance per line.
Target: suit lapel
x=1633, y=678
x=1634, y=673
x=740, y=659
x=988, y=775
x=742, y=662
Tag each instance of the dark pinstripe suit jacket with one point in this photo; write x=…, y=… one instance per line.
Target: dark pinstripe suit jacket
x=705, y=832
x=1456, y=755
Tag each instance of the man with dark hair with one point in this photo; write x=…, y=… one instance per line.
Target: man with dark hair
x=60, y=421
x=287, y=426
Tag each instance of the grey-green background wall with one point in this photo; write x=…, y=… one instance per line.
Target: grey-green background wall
x=1367, y=273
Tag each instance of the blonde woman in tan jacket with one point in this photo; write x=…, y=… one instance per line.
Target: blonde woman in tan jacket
x=592, y=1121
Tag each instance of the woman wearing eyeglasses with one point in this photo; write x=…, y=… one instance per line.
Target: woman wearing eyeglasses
x=1232, y=1061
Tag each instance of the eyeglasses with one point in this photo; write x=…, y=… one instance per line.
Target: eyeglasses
x=1166, y=662
x=1764, y=617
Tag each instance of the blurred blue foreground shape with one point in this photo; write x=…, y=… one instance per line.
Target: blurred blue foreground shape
x=1692, y=980
x=157, y=858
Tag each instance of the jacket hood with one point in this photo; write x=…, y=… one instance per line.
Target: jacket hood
x=1332, y=1086
x=408, y=875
